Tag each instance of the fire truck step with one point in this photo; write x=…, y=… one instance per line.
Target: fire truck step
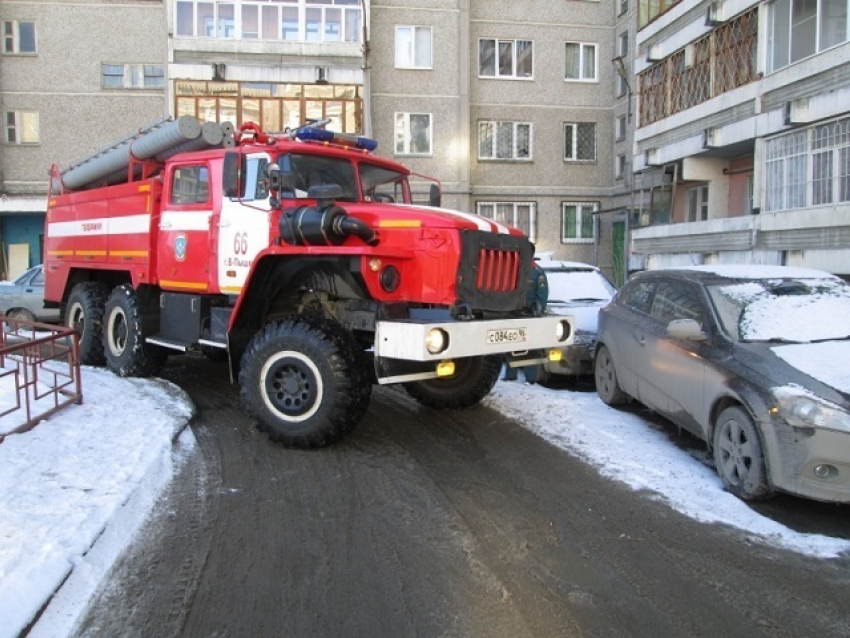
x=173, y=344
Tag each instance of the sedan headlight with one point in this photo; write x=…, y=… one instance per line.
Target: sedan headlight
x=803, y=409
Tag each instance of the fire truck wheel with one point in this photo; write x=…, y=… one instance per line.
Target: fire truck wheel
x=84, y=313
x=473, y=380
x=300, y=380
x=127, y=354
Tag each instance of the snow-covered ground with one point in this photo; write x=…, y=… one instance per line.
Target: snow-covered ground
x=93, y=471
x=90, y=472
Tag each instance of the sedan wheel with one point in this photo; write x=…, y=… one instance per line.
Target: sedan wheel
x=738, y=455
x=605, y=376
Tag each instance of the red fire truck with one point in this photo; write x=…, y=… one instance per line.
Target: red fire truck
x=302, y=258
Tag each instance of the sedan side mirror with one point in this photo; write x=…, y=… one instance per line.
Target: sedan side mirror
x=686, y=329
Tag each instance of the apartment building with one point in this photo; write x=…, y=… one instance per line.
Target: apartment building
x=742, y=141
x=510, y=105
x=74, y=78
x=278, y=63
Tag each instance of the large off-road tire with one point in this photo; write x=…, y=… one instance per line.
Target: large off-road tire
x=302, y=382
x=605, y=376
x=473, y=380
x=84, y=313
x=738, y=455
x=127, y=354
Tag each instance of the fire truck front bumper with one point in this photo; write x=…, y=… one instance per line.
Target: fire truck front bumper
x=412, y=350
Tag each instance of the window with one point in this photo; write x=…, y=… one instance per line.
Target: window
x=649, y=10
x=621, y=128
x=809, y=167
x=578, y=224
x=676, y=300
x=283, y=20
x=413, y=47
x=413, y=133
x=580, y=62
x=504, y=140
x=18, y=36
x=579, y=142
x=698, y=204
x=620, y=167
x=623, y=44
x=132, y=76
x=638, y=296
x=521, y=215
x=505, y=58
x=624, y=6
x=22, y=127
x=190, y=185
x=274, y=106
x=800, y=28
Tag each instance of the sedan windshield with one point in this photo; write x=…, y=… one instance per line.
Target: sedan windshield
x=784, y=310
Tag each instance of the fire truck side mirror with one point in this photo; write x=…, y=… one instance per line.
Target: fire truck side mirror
x=434, y=196
x=234, y=175
x=280, y=181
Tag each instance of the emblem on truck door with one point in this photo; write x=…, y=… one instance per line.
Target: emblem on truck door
x=181, y=243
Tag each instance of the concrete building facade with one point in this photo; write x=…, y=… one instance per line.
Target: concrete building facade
x=74, y=78
x=509, y=105
x=742, y=140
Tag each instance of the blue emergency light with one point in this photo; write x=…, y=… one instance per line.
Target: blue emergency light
x=316, y=134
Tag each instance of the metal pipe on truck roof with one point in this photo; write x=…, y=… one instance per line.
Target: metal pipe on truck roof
x=143, y=146
x=211, y=136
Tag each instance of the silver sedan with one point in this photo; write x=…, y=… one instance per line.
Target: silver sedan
x=23, y=298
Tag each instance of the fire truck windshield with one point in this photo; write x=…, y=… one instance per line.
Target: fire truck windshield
x=313, y=170
x=381, y=184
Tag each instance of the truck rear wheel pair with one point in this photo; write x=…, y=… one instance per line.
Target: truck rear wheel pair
x=110, y=329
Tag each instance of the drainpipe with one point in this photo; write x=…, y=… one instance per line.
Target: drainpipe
x=367, y=77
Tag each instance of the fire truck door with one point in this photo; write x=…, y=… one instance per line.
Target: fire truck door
x=184, y=229
x=244, y=226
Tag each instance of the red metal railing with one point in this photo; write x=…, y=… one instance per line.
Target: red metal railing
x=39, y=372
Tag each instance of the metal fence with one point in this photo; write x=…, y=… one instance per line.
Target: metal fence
x=39, y=373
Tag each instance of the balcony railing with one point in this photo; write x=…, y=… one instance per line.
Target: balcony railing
x=717, y=63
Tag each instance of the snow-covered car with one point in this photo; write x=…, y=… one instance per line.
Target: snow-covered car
x=578, y=290
x=23, y=298
x=755, y=360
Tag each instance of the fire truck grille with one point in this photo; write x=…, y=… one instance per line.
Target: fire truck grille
x=498, y=270
x=492, y=271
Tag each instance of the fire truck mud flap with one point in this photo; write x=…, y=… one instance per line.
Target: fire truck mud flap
x=304, y=383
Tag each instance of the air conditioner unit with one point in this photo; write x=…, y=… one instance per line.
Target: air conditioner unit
x=654, y=53
x=711, y=138
x=795, y=112
x=650, y=157
x=715, y=14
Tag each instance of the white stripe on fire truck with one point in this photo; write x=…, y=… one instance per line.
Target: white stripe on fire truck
x=124, y=225
x=482, y=222
x=185, y=220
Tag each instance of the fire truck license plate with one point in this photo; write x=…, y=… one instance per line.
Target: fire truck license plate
x=509, y=335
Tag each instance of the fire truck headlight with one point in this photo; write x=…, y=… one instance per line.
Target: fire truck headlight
x=563, y=331
x=390, y=278
x=436, y=341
